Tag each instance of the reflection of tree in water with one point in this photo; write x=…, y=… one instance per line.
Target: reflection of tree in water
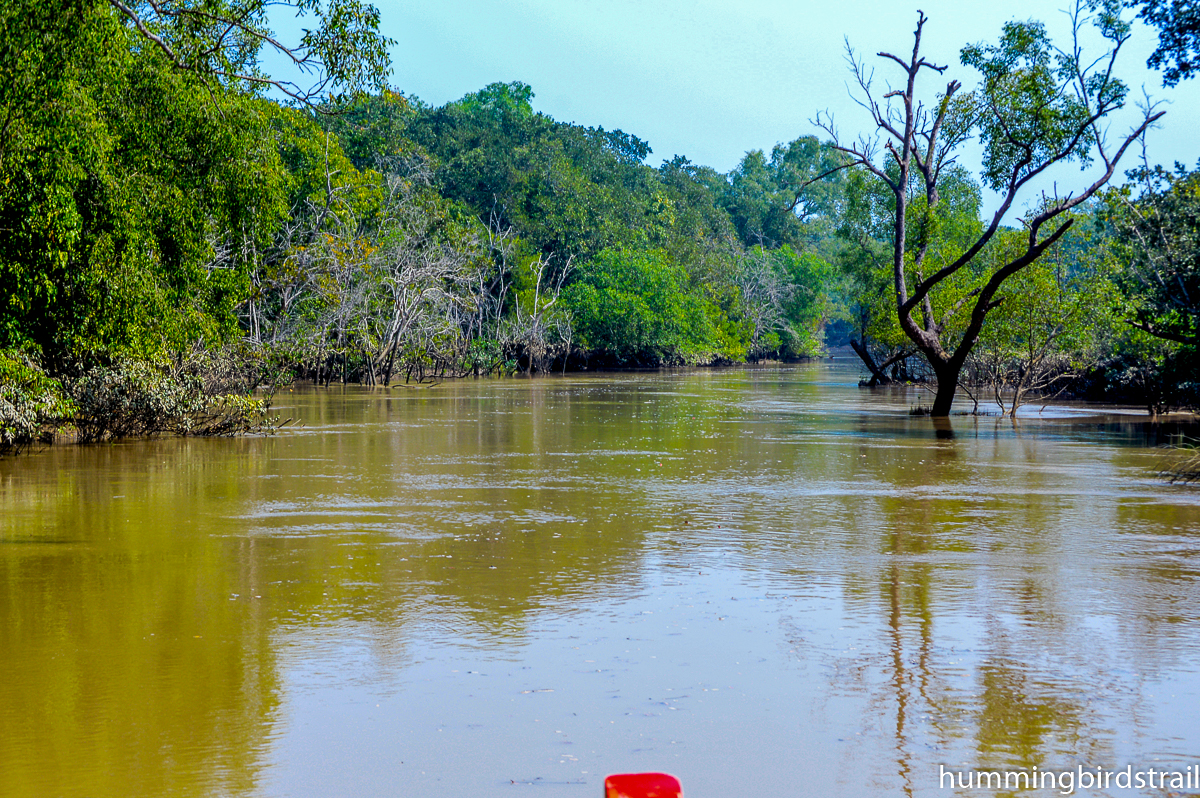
x=505, y=505
x=1021, y=722
x=923, y=700
x=130, y=668
x=934, y=690
x=145, y=589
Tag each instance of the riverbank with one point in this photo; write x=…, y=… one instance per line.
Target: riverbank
x=204, y=394
x=227, y=392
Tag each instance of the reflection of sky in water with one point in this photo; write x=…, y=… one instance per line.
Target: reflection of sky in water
x=727, y=574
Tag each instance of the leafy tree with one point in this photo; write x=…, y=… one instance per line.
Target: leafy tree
x=1158, y=375
x=138, y=176
x=1155, y=220
x=783, y=296
x=775, y=201
x=866, y=228
x=699, y=231
x=30, y=402
x=128, y=191
x=1057, y=319
x=1158, y=231
x=375, y=271
x=638, y=308
x=1035, y=106
x=372, y=129
x=568, y=190
x=221, y=41
x=1178, y=24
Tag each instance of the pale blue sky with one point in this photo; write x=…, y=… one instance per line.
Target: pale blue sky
x=711, y=79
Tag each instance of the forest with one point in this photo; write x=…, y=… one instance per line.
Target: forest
x=181, y=231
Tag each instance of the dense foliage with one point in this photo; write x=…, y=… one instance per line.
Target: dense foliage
x=1178, y=25
x=172, y=237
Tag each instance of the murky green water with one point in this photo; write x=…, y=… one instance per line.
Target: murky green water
x=765, y=581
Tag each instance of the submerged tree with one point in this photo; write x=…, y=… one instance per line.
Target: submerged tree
x=1036, y=106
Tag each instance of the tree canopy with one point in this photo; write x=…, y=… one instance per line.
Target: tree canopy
x=162, y=194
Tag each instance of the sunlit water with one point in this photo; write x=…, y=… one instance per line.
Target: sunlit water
x=765, y=581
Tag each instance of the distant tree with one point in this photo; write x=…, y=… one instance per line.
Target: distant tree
x=773, y=200
x=569, y=190
x=639, y=308
x=784, y=298
x=1056, y=322
x=372, y=129
x=1036, y=106
x=701, y=232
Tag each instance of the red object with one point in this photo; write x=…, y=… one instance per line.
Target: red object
x=642, y=785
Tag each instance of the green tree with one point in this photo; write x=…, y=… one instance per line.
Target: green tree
x=138, y=173
x=568, y=190
x=129, y=192
x=1156, y=226
x=1178, y=24
x=784, y=298
x=221, y=42
x=1057, y=319
x=866, y=229
x=1158, y=231
x=780, y=200
x=638, y=308
x=1035, y=106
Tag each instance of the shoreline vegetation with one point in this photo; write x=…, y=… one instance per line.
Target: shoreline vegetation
x=176, y=242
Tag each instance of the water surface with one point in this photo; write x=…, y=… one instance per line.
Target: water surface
x=766, y=581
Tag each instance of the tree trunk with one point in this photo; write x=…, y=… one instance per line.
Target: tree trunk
x=947, y=384
x=877, y=376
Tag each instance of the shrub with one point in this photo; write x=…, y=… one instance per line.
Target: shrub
x=207, y=394
x=31, y=403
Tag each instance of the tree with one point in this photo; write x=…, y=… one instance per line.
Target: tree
x=138, y=173
x=637, y=308
x=220, y=41
x=122, y=180
x=865, y=228
x=1036, y=106
x=783, y=297
x=1158, y=234
x=772, y=201
x=1156, y=227
x=1056, y=322
x=1178, y=24
x=536, y=329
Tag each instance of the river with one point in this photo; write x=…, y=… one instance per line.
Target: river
x=766, y=581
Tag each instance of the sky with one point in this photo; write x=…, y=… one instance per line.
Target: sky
x=712, y=79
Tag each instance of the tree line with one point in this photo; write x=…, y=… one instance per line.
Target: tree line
x=178, y=227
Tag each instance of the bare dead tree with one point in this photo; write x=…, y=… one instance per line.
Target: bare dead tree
x=764, y=292
x=537, y=328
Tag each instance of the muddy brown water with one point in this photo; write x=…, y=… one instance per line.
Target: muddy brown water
x=765, y=581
